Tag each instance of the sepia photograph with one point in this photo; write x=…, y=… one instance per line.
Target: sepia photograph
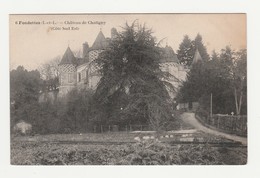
x=128, y=89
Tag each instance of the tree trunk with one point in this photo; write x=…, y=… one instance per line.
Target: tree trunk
x=240, y=102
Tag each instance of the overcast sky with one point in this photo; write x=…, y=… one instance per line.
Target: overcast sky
x=33, y=44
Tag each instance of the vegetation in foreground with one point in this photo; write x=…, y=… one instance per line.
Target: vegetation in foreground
x=141, y=153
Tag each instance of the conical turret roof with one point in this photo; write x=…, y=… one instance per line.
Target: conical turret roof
x=169, y=55
x=68, y=57
x=100, y=42
x=197, y=57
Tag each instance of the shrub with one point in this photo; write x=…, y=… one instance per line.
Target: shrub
x=141, y=153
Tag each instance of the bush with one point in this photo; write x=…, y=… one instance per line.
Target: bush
x=203, y=114
x=142, y=153
x=64, y=115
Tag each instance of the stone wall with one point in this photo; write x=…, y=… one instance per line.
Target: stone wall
x=178, y=74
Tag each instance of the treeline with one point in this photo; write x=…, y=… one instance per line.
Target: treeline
x=224, y=77
x=187, y=50
x=130, y=90
x=51, y=116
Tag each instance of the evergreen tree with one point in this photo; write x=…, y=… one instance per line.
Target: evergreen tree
x=198, y=44
x=227, y=57
x=131, y=87
x=214, y=55
x=186, y=51
x=224, y=77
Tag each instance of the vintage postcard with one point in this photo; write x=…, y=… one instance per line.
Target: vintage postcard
x=128, y=89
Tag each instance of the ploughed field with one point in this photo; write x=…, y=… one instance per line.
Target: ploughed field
x=186, y=147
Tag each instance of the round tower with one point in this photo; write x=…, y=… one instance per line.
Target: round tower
x=98, y=46
x=67, y=73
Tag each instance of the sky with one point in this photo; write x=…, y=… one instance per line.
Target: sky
x=44, y=37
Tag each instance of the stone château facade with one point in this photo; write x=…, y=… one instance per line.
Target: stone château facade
x=82, y=72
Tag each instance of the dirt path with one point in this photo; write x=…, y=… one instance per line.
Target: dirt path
x=189, y=118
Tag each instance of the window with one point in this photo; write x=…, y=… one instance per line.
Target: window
x=70, y=78
x=79, y=74
x=86, y=78
x=83, y=74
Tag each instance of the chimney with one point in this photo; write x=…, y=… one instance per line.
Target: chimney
x=85, y=49
x=113, y=33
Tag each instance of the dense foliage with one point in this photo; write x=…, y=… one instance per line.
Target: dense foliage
x=198, y=44
x=142, y=153
x=50, y=74
x=187, y=50
x=224, y=77
x=132, y=88
x=24, y=93
x=65, y=115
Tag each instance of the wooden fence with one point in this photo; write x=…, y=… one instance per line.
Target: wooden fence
x=116, y=128
x=226, y=123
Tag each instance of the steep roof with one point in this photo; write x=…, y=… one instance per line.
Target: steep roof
x=68, y=57
x=169, y=55
x=82, y=60
x=197, y=57
x=100, y=42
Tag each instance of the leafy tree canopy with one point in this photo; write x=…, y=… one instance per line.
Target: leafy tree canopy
x=224, y=77
x=186, y=51
x=198, y=44
x=132, y=86
x=25, y=85
x=24, y=92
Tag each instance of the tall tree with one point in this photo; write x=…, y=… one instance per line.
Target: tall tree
x=214, y=55
x=224, y=77
x=239, y=78
x=198, y=44
x=235, y=63
x=50, y=69
x=24, y=92
x=24, y=85
x=131, y=86
x=186, y=51
x=50, y=74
